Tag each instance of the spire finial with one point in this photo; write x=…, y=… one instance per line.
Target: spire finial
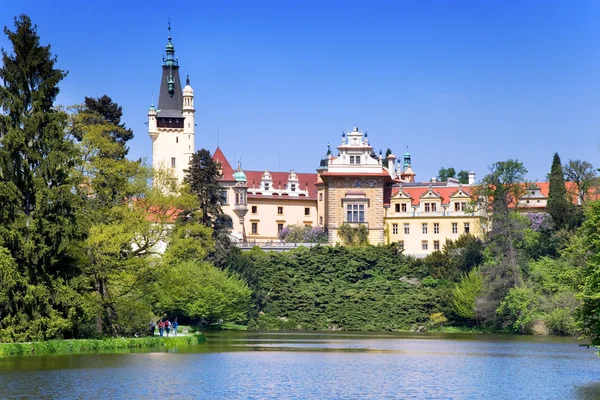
x=152, y=100
x=169, y=28
x=187, y=79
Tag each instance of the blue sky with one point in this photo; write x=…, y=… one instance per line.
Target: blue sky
x=461, y=83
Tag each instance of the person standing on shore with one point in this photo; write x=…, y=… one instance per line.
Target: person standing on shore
x=175, y=325
x=152, y=328
x=161, y=327
x=167, y=327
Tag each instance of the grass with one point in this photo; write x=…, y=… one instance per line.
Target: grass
x=90, y=345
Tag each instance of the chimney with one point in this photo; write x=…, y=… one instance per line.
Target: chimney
x=471, y=178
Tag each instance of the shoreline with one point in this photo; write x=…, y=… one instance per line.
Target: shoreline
x=82, y=346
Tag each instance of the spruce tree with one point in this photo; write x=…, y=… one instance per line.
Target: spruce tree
x=37, y=200
x=202, y=178
x=559, y=206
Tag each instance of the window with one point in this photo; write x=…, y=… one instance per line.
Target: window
x=176, y=139
x=424, y=245
x=306, y=211
x=430, y=207
x=394, y=229
x=266, y=185
x=354, y=159
x=433, y=207
x=436, y=244
x=460, y=206
x=279, y=227
x=254, y=209
x=427, y=209
x=354, y=213
x=321, y=220
x=255, y=228
x=467, y=227
x=403, y=207
x=424, y=228
x=401, y=244
x=223, y=197
x=173, y=163
x=436, y=228
x=406, y=229
x=320, y=196
x=454, y=227
x=279, y=210
x=293, y=187
x=397, y=207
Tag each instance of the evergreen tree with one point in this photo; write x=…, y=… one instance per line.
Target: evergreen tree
x=37, y=200
x=104, y=111
x=559, y=206
x=202, y=178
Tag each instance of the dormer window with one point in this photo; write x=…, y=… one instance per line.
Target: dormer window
x=293, y=187
x=354, y=159
x=266, y=185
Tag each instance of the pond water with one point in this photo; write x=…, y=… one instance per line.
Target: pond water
x=276, y=365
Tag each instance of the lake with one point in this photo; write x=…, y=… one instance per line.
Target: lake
x=303, y=365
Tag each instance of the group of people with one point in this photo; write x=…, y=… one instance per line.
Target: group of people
x=164, y=327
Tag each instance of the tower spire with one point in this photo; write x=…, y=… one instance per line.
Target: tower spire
x=169, y=60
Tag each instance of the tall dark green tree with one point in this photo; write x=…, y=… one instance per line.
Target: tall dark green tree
x=559, y=207
x=37, y=199
x=104, y=111
x=202, y=177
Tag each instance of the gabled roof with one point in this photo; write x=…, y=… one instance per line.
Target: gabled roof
x=306, y=181
x=416, y=192
x=226, y=169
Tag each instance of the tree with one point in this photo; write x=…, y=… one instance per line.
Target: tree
x=202, y=177
x=502, y=187
x=583, y=176
x=590, y=245
x=465, y=293
x=104, y=112
x=446, y=173
x=559, y=206
x=38, y=223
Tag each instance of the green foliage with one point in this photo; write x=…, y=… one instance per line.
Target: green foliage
x=465, y=293
x=202, y=178
x=38, y=221
x=201, y=291
x=559, y=207
x=589, y=315
x=90, y=345
x=437, y=319
x=445, y=173
x=348, y=288
x=519, y=308
x=584, y=178
x=353, y=236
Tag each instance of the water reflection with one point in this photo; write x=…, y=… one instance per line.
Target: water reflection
x=320, y=365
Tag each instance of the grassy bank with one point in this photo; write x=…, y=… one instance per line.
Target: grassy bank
x=91, y=345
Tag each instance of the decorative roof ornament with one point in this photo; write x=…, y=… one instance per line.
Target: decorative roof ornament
x=187, y=80
x=171, y=84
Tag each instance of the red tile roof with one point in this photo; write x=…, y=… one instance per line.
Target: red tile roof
x=415, y=192
x=219, y=157
x=305, y=180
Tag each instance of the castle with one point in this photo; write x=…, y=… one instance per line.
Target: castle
x=355, y=187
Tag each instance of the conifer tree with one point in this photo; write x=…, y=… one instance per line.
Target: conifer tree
x=559, y=206
x=37, y=200
x=202, y=178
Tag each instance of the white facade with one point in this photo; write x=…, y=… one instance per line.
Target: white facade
x=172, y=147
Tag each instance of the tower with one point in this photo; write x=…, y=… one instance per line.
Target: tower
x=171, y=125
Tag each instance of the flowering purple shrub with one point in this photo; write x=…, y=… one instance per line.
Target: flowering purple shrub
x=540, y=221
x=303, y=234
